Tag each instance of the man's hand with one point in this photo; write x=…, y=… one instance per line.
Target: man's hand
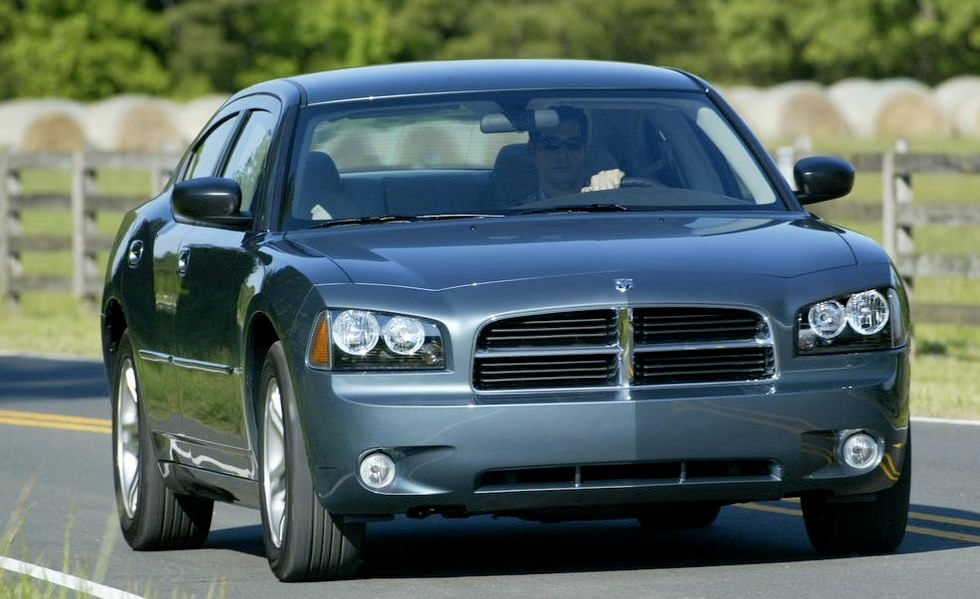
x=605, y=180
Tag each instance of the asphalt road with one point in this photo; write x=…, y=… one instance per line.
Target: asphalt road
x=57, y=511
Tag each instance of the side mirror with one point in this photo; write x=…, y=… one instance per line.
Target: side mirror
x=822, y=178
x=210, y=200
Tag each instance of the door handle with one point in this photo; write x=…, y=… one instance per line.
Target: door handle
x=135, y=253
x=183, y=260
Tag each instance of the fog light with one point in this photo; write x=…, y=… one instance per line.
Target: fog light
x=377, y=471
x=861, y=451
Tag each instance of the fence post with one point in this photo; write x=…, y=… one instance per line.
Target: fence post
x=897, y=235
x=78, y=223
x=889, y=220
x=4, y=227
x=904, y=240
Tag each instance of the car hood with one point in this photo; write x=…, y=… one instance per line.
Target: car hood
x=446, y=254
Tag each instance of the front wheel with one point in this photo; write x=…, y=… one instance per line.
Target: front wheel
x=870, y=527
x=151, y=515
x=303, y=541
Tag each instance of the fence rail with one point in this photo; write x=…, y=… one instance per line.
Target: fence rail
x=897, y=212
x=84, y=201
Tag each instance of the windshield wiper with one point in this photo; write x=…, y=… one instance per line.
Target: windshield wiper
x=577, y=208
x=398, y=218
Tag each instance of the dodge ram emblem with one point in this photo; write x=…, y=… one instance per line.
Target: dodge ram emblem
x=623, y=285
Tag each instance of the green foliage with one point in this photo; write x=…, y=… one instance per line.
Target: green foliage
x=186, y=48
x=79, y=49
x=224, y=45
x=929, y=40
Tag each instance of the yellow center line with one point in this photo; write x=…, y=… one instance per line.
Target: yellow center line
x=56, y=421
x=921, y=530
x=945, y=519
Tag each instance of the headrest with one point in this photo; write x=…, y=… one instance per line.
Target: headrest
x=322, y=171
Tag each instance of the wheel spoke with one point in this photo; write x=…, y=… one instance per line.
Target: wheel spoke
x=127, y=436
x=274, y=462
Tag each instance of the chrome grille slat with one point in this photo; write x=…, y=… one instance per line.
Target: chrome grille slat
x=588, y=348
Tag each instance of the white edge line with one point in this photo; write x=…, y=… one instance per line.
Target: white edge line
x=932, y=420
x=74, y=583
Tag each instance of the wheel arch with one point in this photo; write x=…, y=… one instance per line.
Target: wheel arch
x=261, y=335
x=114, y=323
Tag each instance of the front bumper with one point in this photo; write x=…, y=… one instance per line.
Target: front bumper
x=455, y=453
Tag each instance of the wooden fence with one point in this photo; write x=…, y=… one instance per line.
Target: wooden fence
x=899, y=216
x=84, y=201
x=897, y=212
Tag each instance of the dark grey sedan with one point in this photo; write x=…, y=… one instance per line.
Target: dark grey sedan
x=542, y=289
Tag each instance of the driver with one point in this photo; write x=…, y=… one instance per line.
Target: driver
x=559, y=158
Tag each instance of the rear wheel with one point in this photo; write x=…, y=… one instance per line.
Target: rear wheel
x=303, y=540
x=865, y=528
x=685, y=515
x=151, y=515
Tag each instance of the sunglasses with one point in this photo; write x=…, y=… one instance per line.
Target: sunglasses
x=552, y=144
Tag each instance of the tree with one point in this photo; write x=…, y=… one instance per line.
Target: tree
x=79, y=49
x=930, y=40
x=224, y=45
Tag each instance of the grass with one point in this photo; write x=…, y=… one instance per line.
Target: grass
x=21, y=586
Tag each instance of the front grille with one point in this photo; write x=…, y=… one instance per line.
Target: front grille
x=623, y=347
x=568, y=329
x=688, y=325
x=628, y=475
x=709, y=365
x=520, y=372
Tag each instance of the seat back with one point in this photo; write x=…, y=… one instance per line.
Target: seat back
x=515, y=178
x=322, y=195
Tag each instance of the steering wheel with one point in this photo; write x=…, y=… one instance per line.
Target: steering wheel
x=639, y=182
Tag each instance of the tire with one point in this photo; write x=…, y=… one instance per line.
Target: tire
x=303, y=541
x=151, y=515
x=678, y=516
x=861, y=528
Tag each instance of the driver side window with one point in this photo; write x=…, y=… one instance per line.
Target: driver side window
x=207, y=154
x=248, y=157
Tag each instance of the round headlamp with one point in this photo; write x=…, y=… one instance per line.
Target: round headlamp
x=403, y=335
x=867, y=312
x=356, y=332
x=827, y=319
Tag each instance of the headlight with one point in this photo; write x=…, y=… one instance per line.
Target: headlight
x=864, y=321
x=367, y=340
x=356, y=332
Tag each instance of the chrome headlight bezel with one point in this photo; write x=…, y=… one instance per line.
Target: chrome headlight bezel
x=374, y=340
x=871, y=320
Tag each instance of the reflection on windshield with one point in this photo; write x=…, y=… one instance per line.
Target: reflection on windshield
x=520, y=153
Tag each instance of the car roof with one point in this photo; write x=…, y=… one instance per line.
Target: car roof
x=481, y=75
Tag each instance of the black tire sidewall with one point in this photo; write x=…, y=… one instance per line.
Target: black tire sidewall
x=299, y=489
x=146, y=520
x=308, y=523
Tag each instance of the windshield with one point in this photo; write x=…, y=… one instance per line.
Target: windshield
x=519, y=153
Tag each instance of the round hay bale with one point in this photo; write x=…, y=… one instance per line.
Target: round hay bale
x=133, y=123
x=42, y=125
x=193, y=115
x=850, y=96
x=966, y=119
x=748, y=103
x=799, y=108
x=959, y=98
x=889, y=108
